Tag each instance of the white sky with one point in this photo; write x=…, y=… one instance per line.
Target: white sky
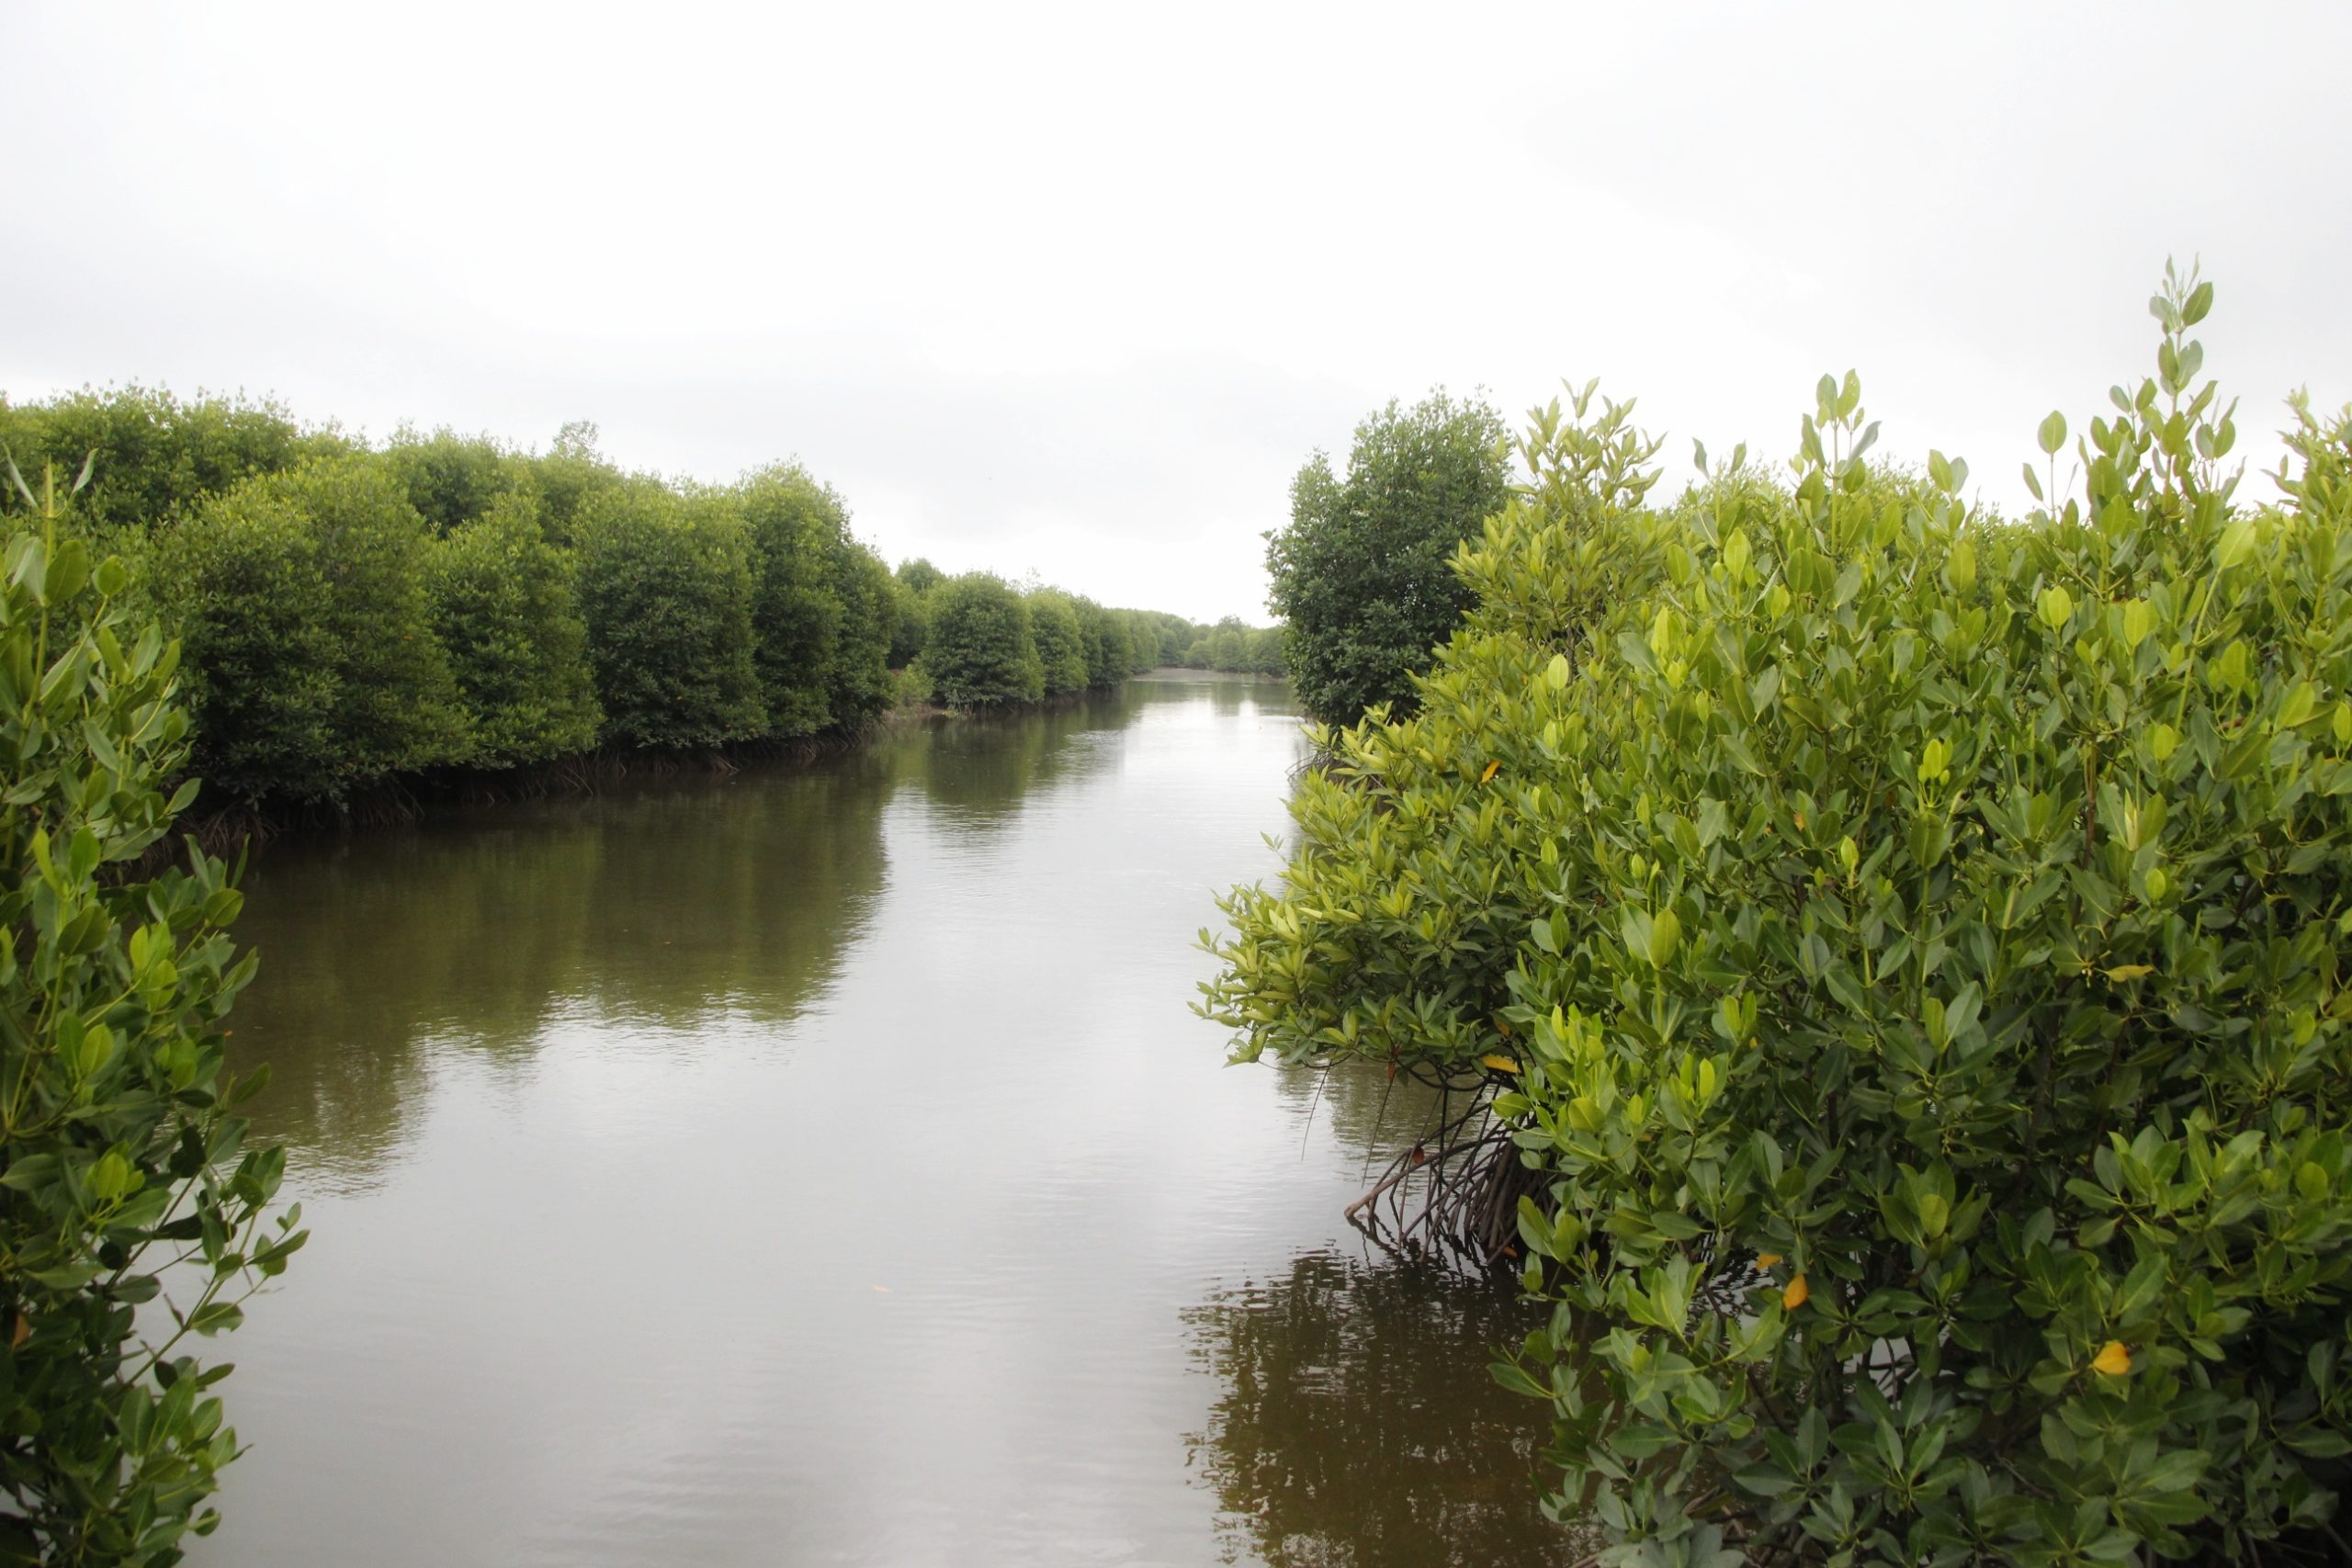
x=1078, y=289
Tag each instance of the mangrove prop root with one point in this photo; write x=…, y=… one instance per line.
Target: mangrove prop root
x=1453, y=1195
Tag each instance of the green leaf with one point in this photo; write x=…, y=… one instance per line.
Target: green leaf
x=1510, y=1376
x=2236, y=546
x=1665, y=936
x=214, y=1317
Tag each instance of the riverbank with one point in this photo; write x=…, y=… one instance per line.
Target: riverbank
x=408, y=799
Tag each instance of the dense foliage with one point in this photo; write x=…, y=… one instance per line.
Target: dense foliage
x=302, y=600
x=1061, y=647
x=666, y=590
x=452, y=479
x=858, y=687
x=1360, y=574
x=794, y=521
x=151, y=456
x=982, y=652
x=1230, y=645
x=1909, y=944
x=353, y=615
x=502, y=606
x=958, y=642
x=131, y=1215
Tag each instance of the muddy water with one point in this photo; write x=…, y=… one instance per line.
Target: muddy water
x=820, y=1165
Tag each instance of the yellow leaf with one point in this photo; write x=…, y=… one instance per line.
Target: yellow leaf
x=1766, y=1259
x=1796, y=1294
x=1500, y=1064
x=2114, y=1361
x=2131, y=971
x=1492, y=769
x=22, y=1332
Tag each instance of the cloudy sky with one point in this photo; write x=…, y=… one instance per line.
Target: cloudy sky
x=1075, y=289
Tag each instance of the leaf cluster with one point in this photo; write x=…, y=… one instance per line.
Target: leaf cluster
x=982, y=649
x=301, y=598
x=134, y=1220
x=1909, y=942
x=666, y=590
x=1360, y=575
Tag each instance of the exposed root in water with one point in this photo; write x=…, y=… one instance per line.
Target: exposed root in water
x=1453, y=1195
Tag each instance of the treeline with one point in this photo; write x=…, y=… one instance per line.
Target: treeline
x=1230, y=644
x=350, y=613
x=976, y=641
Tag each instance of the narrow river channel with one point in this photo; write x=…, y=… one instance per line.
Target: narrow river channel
x=820, y=1165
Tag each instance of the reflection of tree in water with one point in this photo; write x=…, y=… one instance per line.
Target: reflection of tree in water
x=1360, y=1425
x=659, y=902
x=1367, y=1112
x=984, y=766
x=1231, y=693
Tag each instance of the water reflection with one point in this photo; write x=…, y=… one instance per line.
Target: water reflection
x=1365, y=1109
x=1359, y=1425
x=983, y=768
x=659, y=902
x=820, y=1166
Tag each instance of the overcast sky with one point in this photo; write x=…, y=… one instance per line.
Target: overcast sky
x=1078, y=290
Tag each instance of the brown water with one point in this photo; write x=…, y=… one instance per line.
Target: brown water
x=820, y=1165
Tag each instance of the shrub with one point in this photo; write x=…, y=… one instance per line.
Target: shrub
x=1162, y=638
x=151, y=456
x=1231, y=645
x=1909, y=942
x=981, y=652
x=505, y=611
x=567, y=476
x=797, y=612
x=313, y=666
x=453, y=479
x=1261, y=651
x=1360, y=573
x=666, y=590
x=1061, y=647
x=857, y=678
x=1110, y=651
x=1142, y=639
x=909, y=626
x=911, y=687
x=912, y=597
x=118, y=1135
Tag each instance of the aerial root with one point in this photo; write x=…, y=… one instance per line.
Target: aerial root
x=1454, y=1194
